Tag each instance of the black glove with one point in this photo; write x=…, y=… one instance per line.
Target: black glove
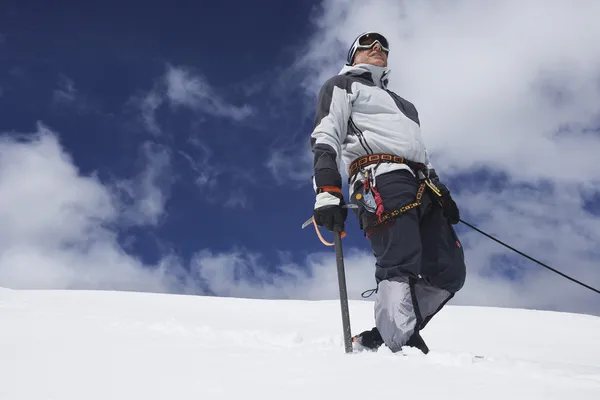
x=449, y=207
x=329, y=212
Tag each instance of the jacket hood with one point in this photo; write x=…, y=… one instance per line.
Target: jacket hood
x=379, y=75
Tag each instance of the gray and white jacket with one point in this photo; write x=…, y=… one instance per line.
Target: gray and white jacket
x=357, y=115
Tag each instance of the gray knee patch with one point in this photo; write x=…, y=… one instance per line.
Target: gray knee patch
x=395, y=316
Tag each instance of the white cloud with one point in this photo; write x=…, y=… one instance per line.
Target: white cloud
x=147, y=193
x=241, y=273
x=181, y=87
x=184, y=88
x=58, y=226
x=35, y=205
x=549, y=224
x=291, y=166
x=217, y=181
x=203, y=164
x=509, y=87
x=148, y=105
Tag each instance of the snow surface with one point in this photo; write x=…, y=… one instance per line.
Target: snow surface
x=75, y=345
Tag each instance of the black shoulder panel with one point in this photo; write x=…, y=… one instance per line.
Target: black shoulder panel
x=406, y=107
x=326, y=93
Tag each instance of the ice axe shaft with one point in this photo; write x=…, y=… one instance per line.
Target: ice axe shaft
x=341, y=273
x=339, y=256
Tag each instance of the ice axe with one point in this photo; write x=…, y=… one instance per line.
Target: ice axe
x=341, y=273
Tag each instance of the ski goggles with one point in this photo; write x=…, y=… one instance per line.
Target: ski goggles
x=366, y=41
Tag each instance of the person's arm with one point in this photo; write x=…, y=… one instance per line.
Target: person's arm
x=331, y=123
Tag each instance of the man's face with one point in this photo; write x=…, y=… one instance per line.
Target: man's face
x=375, y=56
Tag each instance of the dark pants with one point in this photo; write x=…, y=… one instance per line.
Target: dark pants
x=419, y=259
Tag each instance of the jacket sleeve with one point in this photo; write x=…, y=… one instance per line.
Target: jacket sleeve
x=334, y=106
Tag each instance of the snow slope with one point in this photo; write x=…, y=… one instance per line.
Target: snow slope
x=75, y=345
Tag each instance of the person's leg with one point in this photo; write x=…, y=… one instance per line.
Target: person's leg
x=396, y=316
x=426, y=302
x=440, y=275
x=443, y=260
x=443, y=264
x=443, y=268
x=397, y=250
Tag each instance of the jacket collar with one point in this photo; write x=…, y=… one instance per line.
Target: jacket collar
x=378, y=75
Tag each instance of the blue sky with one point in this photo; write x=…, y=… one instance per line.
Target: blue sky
x=83, y=71
x=162, y=148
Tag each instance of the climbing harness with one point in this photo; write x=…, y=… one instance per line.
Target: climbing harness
x=370, y=197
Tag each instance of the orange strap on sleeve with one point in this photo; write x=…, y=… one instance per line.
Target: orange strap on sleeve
x=334, y=189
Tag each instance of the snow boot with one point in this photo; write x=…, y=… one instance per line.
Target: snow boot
x=417, y=341
x=367, y=340
x=371, y=340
